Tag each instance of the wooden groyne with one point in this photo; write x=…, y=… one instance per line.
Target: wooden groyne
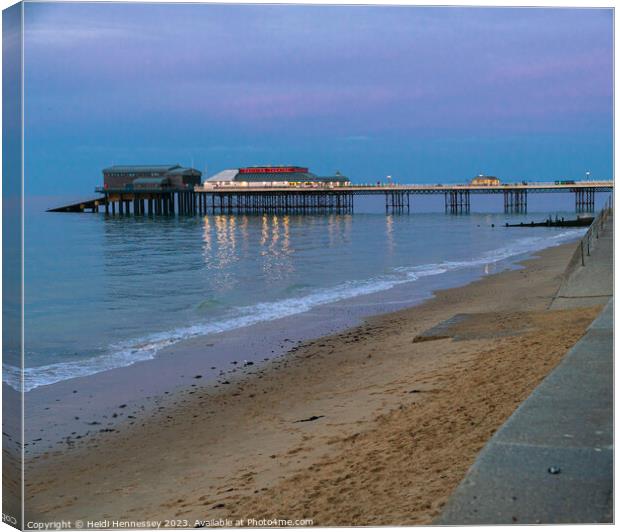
x=581, y=221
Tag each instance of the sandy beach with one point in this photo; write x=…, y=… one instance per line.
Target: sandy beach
x=372, y=426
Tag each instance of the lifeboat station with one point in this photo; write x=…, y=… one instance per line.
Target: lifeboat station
x=149, y=189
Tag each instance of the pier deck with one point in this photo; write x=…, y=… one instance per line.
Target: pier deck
x=308, y=199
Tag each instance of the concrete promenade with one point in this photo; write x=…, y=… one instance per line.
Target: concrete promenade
x=591, y=284
x=552, y=461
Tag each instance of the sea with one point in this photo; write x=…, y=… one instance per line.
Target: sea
x=104, y=292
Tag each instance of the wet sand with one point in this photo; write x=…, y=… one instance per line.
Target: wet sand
x=368, y=426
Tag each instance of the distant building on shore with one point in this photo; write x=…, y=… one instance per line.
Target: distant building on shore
x=485, y=180
x=265, y=176
x=165, y=176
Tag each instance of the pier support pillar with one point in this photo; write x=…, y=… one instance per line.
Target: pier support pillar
x=584, y=199
x=293, y=201
x=515, y=200
x=396, y=201
x=457, y=201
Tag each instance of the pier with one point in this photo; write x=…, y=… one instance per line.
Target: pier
x=398, y=198
x=305, y=199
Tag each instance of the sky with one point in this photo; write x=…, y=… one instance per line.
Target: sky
x=426, y=95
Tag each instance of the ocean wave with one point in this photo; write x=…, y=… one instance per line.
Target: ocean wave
x=128, y=353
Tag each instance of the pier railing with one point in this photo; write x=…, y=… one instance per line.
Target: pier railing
x=588, y=240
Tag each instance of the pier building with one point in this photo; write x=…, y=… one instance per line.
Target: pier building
x=146, y=189
x=152, y=176
x=269, y=176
